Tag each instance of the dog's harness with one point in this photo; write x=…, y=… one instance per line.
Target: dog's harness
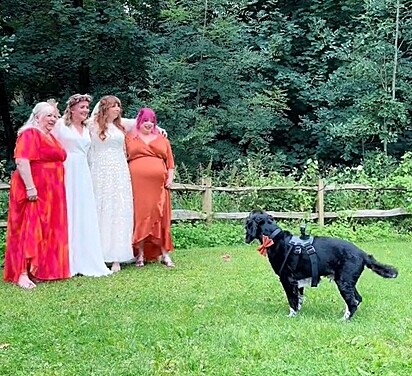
x=297, y=245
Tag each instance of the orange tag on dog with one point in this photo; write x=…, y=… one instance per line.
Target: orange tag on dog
x=266, y=243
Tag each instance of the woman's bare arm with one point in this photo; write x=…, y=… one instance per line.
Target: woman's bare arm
x=128, y=125
x=23, y=167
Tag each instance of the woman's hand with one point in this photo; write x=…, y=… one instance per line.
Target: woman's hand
x=24, y=169
x=168, y=183
x=162, y=131
x=170, y=176
x=32, y=194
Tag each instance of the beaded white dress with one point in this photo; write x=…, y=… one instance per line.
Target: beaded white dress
x=113, y=192
x=85, y=250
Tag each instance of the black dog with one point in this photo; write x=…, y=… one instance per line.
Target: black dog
x=336, y=258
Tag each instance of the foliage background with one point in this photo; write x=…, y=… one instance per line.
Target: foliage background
x=197, y=234
x=276, y=81
x=251, y=92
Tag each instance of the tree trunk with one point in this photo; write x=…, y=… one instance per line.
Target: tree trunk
x=395, y=56
x=394, y=71
x=199, y=82
x=84, y=78
x=6, y=118
x=84, y=71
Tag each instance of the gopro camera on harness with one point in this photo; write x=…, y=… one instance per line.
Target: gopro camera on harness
x=303, y=234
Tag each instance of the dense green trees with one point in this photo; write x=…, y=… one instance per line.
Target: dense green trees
x=280, y=81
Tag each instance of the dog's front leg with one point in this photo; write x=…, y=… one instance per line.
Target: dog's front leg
x=301, y=297
x=292, y=293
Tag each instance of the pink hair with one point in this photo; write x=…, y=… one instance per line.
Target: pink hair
x=144, y=115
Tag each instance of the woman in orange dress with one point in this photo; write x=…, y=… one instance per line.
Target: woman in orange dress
x=151, y=167
x=37, y=240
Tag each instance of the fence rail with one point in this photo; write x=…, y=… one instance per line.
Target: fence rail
x=207, y=214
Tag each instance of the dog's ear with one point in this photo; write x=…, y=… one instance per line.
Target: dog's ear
x=251, y=228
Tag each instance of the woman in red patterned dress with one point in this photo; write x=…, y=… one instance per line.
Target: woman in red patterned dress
x=37, y=240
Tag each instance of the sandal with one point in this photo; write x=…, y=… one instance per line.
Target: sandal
x=139, y=263
x=167, y=261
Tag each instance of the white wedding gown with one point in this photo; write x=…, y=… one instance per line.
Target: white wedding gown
x=113, y=193
x=85, y=250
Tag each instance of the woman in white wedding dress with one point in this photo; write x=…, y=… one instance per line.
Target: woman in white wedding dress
x=85, y=249
x=111, y=181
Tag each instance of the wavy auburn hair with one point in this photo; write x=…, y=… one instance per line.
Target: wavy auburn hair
x=100, y=119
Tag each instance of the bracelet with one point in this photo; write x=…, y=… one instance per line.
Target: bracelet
x=29, y=189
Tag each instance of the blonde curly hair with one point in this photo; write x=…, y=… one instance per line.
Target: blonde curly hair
x=74, y=99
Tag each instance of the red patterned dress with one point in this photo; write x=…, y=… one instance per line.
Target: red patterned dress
x=37, y=239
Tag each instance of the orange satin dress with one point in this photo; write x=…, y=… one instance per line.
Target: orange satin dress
x=148, y=164
x=37, y=239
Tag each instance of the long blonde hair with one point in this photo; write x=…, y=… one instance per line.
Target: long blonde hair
x=100, y=119
x=74, y=99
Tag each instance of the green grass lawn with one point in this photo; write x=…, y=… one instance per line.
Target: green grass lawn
x=220, y=312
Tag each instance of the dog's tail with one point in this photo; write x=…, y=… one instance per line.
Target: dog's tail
x=385, y=271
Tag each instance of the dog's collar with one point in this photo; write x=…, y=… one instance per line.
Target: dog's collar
x=266, y=243
x=275, y=233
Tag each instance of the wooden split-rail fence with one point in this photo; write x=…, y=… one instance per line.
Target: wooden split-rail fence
x=207, y=214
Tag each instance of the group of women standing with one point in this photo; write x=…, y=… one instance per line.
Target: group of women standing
x=87, y=192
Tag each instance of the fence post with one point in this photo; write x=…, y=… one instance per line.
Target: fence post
x=321, y=202
x=207, y=205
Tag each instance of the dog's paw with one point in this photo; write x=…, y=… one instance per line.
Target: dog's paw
x=346, y=315
x=292, y=312
x=301, y=300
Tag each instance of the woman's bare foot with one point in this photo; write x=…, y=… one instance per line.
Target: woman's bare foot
x=25, y=282
x=115, y=267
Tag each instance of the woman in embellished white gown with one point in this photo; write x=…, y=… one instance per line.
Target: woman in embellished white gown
x=85, y=249
x=111, y=181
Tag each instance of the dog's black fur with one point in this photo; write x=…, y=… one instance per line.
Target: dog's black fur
x=338, y=259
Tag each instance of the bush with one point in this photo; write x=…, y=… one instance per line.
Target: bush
x=202, y=235
x=231, y=233
x=376, y=170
